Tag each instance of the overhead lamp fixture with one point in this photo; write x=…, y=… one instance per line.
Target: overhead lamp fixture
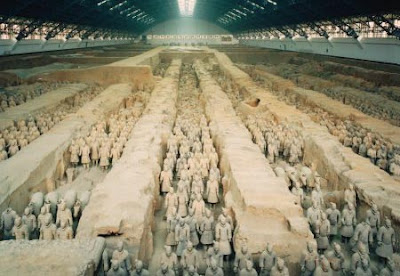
x=186, y=7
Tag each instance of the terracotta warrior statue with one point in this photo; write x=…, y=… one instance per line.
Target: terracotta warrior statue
x=170, y=259
x=241, y=259
x=190, y=257
x=309, y=260
x=7, y=223
x=386, y=240
x=267, y=260
x=280, y=268
x=122, y=257
x=20, y=231
x=48, y=230
x=64, y=232
x=223, y=234
x=213, y=269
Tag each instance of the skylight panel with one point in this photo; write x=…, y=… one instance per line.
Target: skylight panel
x=186, y=7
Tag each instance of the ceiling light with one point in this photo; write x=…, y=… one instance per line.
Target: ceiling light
x=186, y=7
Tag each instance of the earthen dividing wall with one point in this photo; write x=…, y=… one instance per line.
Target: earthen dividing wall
x=33, y=169
x=136, y=70
x=336, y=163
x=264, y=209
x=56, y=258
x=123, y=205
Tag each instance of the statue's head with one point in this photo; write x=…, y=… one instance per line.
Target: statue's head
x=310, y=246
x=337, y=247
x=269, y=248
x=280, y=263
x=168, y=250
x=189, y=246
x=43, y=210
x=191, y=270
x=120, y=246
x=48, y=221
x=139, y=266
x=27, y=211
x=18, y=221
x=249, y=265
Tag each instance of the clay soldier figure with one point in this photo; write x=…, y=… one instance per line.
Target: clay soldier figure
x=362, y=234
x=267, y=261
x=182, y=236
x=172, y=222
x=280, y=268
x=70, y=175
x=116, y=269
x=227, y=217
x=213, y=269
x=74, y=150
x=165, y=180
x=333, y=215
x=336, y=259
x=182, y=202
x=350, y=196
x=248, y=270
x=115, y=154
x=363, y=269
x=95, y=155
x=241, y=258
x=357, y=257
x=20, y=231
x=13, y=149
x=190, y=257
x=7, y=222
x=324, y=268
x=104, y=158
x=348, y=222
x=64, y=214
x=29, y=220
x=199, y=208
x=171, y=202
x=298, y=192
x=212, y=191
x=386, y=240
x=322, y=233
x=206, y=229
x=165, y=271
x=85, y=156
x=48, y=231
x=389, y=269
x=213, y=253
x=223, y=234
x=170, y=259
x=194, y=227
x=191, y=271
x=314, y=216
x=64, y=232
x=309, y=259
x=121, y=256
x=374, y=218
x=43, y=217
x=316, y=195
x=139, y=270
x=3, y=153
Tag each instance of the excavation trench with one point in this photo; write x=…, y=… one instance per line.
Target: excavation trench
x=338, y=165
x=264, y=209
x=122, y=206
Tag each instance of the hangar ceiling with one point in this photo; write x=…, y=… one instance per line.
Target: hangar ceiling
x=132, y=17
